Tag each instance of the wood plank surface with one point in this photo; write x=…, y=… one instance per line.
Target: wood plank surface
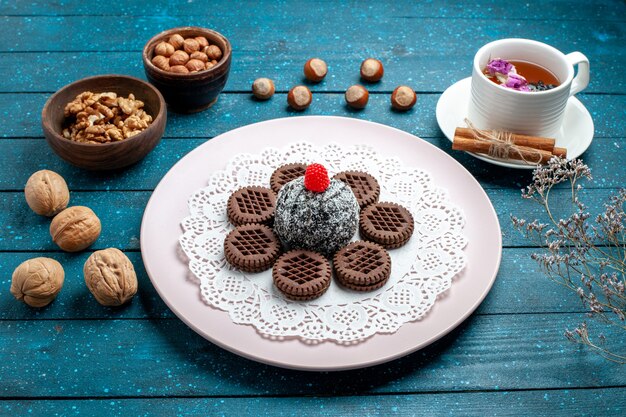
x=76, y=357
x=236, y=110
x=430, y=74
x=468, y=9
x=519, y=289
x=163, y=357
x=120, y=214
x=608, y=402
x=30, y=155
x=329, y=29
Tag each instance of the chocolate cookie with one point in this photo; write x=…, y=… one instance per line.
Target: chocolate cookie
x=284, y=174
x=363, y=185
x=388, y=224
x=302, y=275
x=251, y=205
x=251, y=247
x=362, y=266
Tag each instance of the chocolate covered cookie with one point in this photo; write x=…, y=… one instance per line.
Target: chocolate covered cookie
x=362, y=266
x=388, y=224
x=285, y=174
x=363, y=185
x=251, y=247
x=251, y=205
x=302, y=275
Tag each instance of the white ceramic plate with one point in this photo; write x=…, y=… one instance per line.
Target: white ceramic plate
x=576, y=133
x=160, y=231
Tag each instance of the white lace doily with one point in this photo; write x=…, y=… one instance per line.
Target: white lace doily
x=421, y=270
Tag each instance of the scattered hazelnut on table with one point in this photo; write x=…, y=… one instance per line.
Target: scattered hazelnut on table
x=315, y=70
x=199, y=56
x=110, y=277
x=179, y=58
x=213, y=52
x=191, y=45
x=372, y=70
x=195, y=65
x=160, y=61
x=176, y=41
x=75, y=228
x=164, y=49
x=299, y=97
x=46, y=193
x=357, y=97
x=37, y=281
x=403, y=98
x=263, y=88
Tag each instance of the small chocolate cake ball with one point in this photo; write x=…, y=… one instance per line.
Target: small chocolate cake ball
x=321, y=221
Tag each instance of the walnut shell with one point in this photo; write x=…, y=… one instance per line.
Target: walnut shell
x=110, y=277
x=37, y=281
x=75, y=228
x=46, y=193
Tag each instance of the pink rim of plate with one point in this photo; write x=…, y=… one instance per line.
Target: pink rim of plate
x=160, y=230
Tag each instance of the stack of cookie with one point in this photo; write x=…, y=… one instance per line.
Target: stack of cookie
x=264, y=227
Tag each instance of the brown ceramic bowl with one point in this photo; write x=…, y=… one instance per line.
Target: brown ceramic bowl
x=189, y=93
x=104, y=156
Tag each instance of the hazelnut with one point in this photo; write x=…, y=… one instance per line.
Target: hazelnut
x=75, y=228
x=357, y=97
x=315, y=70
x=165, y=49
x=372, y=70
x=179, y=69
x=46, y=193
x=176, y=41
x=299, y=97
x=213, y=52
x=195, y=65
x=110, y=277
x=37, y=281
x=263, y=88
x=214, y=61
x=403, y=98
x=179, y=58
x=209, y=65
x=191, y=45
x=161, y=62
x=202, y=41
x=199, y=55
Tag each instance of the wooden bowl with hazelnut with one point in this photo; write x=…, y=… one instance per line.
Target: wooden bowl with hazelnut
x=189, y=65
x=103, y=153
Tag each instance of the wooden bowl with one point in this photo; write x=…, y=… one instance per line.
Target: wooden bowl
x=189, y=93
x=112, y=155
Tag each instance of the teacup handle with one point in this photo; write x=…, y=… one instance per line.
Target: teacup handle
x=581, y=81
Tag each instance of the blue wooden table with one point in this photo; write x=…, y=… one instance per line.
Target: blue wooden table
x=76, y=357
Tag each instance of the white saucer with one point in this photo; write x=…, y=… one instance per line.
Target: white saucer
x=576, y=133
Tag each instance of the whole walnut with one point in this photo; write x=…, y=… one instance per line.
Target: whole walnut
x=110, y=277
x=75, y=228
x=46, y=193
x=37, y=281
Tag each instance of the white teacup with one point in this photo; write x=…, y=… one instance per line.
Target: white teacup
x=493, y=106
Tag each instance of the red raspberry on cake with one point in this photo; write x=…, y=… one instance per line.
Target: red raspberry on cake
x=316, y=178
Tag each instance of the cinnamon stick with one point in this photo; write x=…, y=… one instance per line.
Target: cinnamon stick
x=562, y=152
x=537, y=142
x=520, y=153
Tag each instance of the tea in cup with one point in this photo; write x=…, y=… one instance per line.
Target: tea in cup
x=522, y=86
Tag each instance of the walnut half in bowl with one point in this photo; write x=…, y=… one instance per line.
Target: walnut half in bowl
x=105, y=122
